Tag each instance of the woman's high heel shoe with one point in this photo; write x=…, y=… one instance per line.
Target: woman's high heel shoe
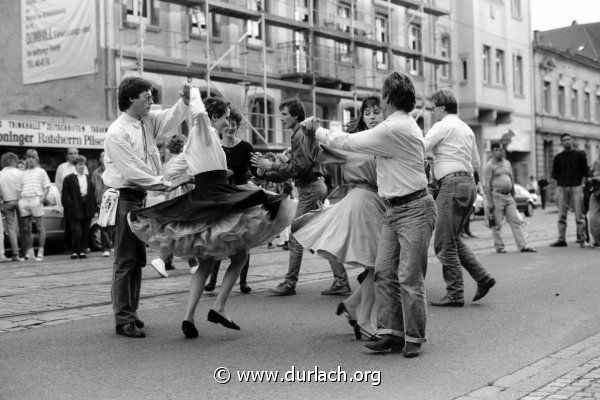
x=341, y=309
x=359, y=332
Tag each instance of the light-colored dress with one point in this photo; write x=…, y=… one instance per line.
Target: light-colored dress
x=349, y=230
x=216, y=219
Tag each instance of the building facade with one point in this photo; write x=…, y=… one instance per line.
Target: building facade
x=493, y=69
x=567, y=92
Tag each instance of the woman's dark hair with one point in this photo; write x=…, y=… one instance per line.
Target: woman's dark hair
x=236, y=116
x=445, y=98
x=358, y=124
x=216, y=107
x=130, y=88
x=399, y=91
x=9, y=159
x=295, y=108
x=79, y=159
x=176, y=143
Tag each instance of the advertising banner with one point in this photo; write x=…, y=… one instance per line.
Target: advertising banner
x=38, y=134
x=58, y=39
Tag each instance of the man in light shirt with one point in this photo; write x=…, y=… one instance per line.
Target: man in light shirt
x=401, y=264
x=455, y=160
x=66, y=168
x=133, y=165
x=500, y=191
x=10, y=178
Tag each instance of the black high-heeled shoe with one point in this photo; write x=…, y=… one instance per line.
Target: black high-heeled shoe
x=189, y=329
x=341, y=309
x=217, y=318
x=359, y=332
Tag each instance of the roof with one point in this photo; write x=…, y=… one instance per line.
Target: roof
x=579, y=40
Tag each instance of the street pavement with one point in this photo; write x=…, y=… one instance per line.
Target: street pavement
x=535, y=336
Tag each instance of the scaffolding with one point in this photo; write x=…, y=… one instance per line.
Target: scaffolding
x=320, y=57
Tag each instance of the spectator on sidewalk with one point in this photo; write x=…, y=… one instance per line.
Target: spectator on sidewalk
x=132, y=166
x=500, y=192
x=542, y=186
x=455, y=160
x=66, y=168
x=33, y=189
x=106, y=233
x=79, y=203
x=10, y=180
x=569, y=169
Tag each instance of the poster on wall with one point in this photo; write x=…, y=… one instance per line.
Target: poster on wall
x=58, y=39
x=39, y=134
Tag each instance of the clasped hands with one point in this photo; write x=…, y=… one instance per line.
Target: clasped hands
x=310, y=125
x=258, y=161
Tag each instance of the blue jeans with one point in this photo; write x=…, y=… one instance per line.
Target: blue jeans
x=505, y=205
x=454, y=203
x=309, y=197
x=565, y=197
x=400, y=269
x=130, y=257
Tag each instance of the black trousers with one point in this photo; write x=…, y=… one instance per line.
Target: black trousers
x=130, y=257
x=80, y=232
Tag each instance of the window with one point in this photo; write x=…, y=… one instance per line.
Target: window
x=342, y=52
x=597, y=107
x=197, y=22
x=561, y=101
x=465, y=70
x=348, y=114
x=258, y=121
x=586, y=106
x=574, y=103
x=381, y=28
x=516, y=8
x=141, y=8
x=445, y=52
x=518, y=75
x=547, y=97
x=500, y=67
x=414, y=43
x=486, y=64
x=381, y=56
x=254, y=28
x=343, y=13
x=301, y=10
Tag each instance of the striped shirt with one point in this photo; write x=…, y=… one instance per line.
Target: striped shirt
x=34, y=182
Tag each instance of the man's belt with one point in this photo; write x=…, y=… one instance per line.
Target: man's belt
x=458, y=173
x=132, y=194
x=307, y=180
x=401, y=200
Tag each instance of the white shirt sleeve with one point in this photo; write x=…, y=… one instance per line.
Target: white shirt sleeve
x=376, y=141
x=433, y=137
x=165, y=120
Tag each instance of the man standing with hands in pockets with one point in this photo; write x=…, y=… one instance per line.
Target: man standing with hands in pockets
x=133, y=165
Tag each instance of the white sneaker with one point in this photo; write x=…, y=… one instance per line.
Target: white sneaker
x=194, y=269
x=40, y=255
x=3, y=258
x=106, y=254
x=159, y=265
x=30, y=254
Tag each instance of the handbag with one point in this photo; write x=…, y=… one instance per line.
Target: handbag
x=108, y=208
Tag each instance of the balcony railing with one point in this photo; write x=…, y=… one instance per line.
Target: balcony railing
x=293, y=59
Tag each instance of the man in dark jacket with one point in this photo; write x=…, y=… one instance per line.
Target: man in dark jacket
x=569, y=168
x=79, y=203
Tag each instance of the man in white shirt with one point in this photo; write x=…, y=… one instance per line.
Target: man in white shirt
x=10, y=178
x=66, y=168
x=455, y=159
x=401, y=264
x=133, y=165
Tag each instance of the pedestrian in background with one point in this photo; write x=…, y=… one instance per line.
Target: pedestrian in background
x=66, y=168
x=10, y=180
x=569, y=168
x=107, y=232
x=132, y=166
x=543, y=188
x=33, y=189
x=455, y=160
x=79, y=203
x=500, y=192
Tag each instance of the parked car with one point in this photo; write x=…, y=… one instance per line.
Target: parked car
x=526, y=202
x=54, y=222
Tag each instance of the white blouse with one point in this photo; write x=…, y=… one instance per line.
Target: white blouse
x=203, y=151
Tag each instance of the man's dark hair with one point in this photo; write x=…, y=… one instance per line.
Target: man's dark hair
x=564, y=135
x=295, y=108
x=445, y=98
x=399, y=91
x=496, y=145
x=9, y=159
x=130, y=88
x=236, y=116
x=216, y=107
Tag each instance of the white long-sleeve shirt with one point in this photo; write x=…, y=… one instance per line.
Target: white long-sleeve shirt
x=397, y=144
x=453, y=145
x=131, y=155
x=203, y=151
